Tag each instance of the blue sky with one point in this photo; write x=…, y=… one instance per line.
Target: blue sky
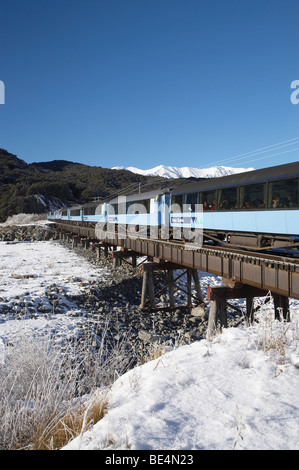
x=148, y=82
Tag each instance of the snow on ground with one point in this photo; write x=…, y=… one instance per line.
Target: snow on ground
x=26, y=219
x=27, y=270
x=41, y=264
x=238, y=391
x=226, y=394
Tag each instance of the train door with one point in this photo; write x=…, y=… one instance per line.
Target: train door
x=164, y=209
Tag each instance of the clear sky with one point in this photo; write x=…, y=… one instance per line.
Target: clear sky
x=148, y=82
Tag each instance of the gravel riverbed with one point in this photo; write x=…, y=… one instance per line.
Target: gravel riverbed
x=110, y=301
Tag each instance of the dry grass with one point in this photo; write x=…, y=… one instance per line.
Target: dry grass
x=42, y=389
x=273, y=335
x=278, y=339
x=63, y=427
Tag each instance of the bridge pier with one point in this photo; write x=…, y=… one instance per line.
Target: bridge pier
x=219, y=296
x=122, y=255
x=281, y=306
x=75, y=240
x=85, y=243
x=217, y=313
x=148, y=289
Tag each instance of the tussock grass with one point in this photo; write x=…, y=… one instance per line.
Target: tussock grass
x=59, y=429
x=278, y=338
x=275, y=335
x=51, y=392
x=49, y=395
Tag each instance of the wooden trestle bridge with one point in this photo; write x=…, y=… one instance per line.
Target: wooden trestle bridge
x=244, y=274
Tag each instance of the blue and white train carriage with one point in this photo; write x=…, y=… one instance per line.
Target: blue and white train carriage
x=54, y=215
x=95, y=212
x=259, y=208
x=141, y=214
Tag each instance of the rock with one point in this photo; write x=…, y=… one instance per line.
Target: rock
x=188, y=335
x=145, y=336
x=17, y=234
x=198, y=311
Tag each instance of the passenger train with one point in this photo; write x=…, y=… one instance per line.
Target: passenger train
x=256, y=209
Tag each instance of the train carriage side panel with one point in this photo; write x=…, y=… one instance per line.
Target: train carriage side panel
x=95, y=212
x=76, y=214
x=283, y=222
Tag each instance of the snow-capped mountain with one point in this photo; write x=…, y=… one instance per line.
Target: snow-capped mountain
x=185, y=172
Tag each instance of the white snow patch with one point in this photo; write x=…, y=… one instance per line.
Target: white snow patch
x=226, y=394
x=185, y=172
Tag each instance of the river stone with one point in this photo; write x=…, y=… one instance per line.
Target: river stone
x=145, y=336
x=198, y=311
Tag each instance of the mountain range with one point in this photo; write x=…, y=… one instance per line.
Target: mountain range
x=185, y=172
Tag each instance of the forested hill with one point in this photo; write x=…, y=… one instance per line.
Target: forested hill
x=40, y=187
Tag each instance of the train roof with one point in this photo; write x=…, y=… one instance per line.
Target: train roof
x=75, y=207
x=92, y=204
x=286, y=171
x=138, y=196
x=87, y=204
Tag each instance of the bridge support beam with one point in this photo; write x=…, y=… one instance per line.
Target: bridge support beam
x=123, y=255
x=148, y=289
x=75, y=241
x=85, y=243
x=217, y=313
x=281, y=306
x=219, y=297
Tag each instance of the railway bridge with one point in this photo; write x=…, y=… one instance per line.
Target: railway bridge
x=245, y=274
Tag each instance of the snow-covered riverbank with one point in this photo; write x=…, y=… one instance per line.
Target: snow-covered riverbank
x=227, y=394
x=239, y=391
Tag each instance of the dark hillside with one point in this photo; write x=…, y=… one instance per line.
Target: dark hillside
x=40, y=187
x=55, y=165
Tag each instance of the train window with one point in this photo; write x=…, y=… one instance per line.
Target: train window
x=130, y=207
x=253, y=196
x=113, y=209
x=64, y=213
x=138, y=207
x=208, y=200
x=147, y=205
x=75, y=212
x=227, y=198
x=191, y=200
x=283, y=193
x=177, y=203
x=89, y=210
